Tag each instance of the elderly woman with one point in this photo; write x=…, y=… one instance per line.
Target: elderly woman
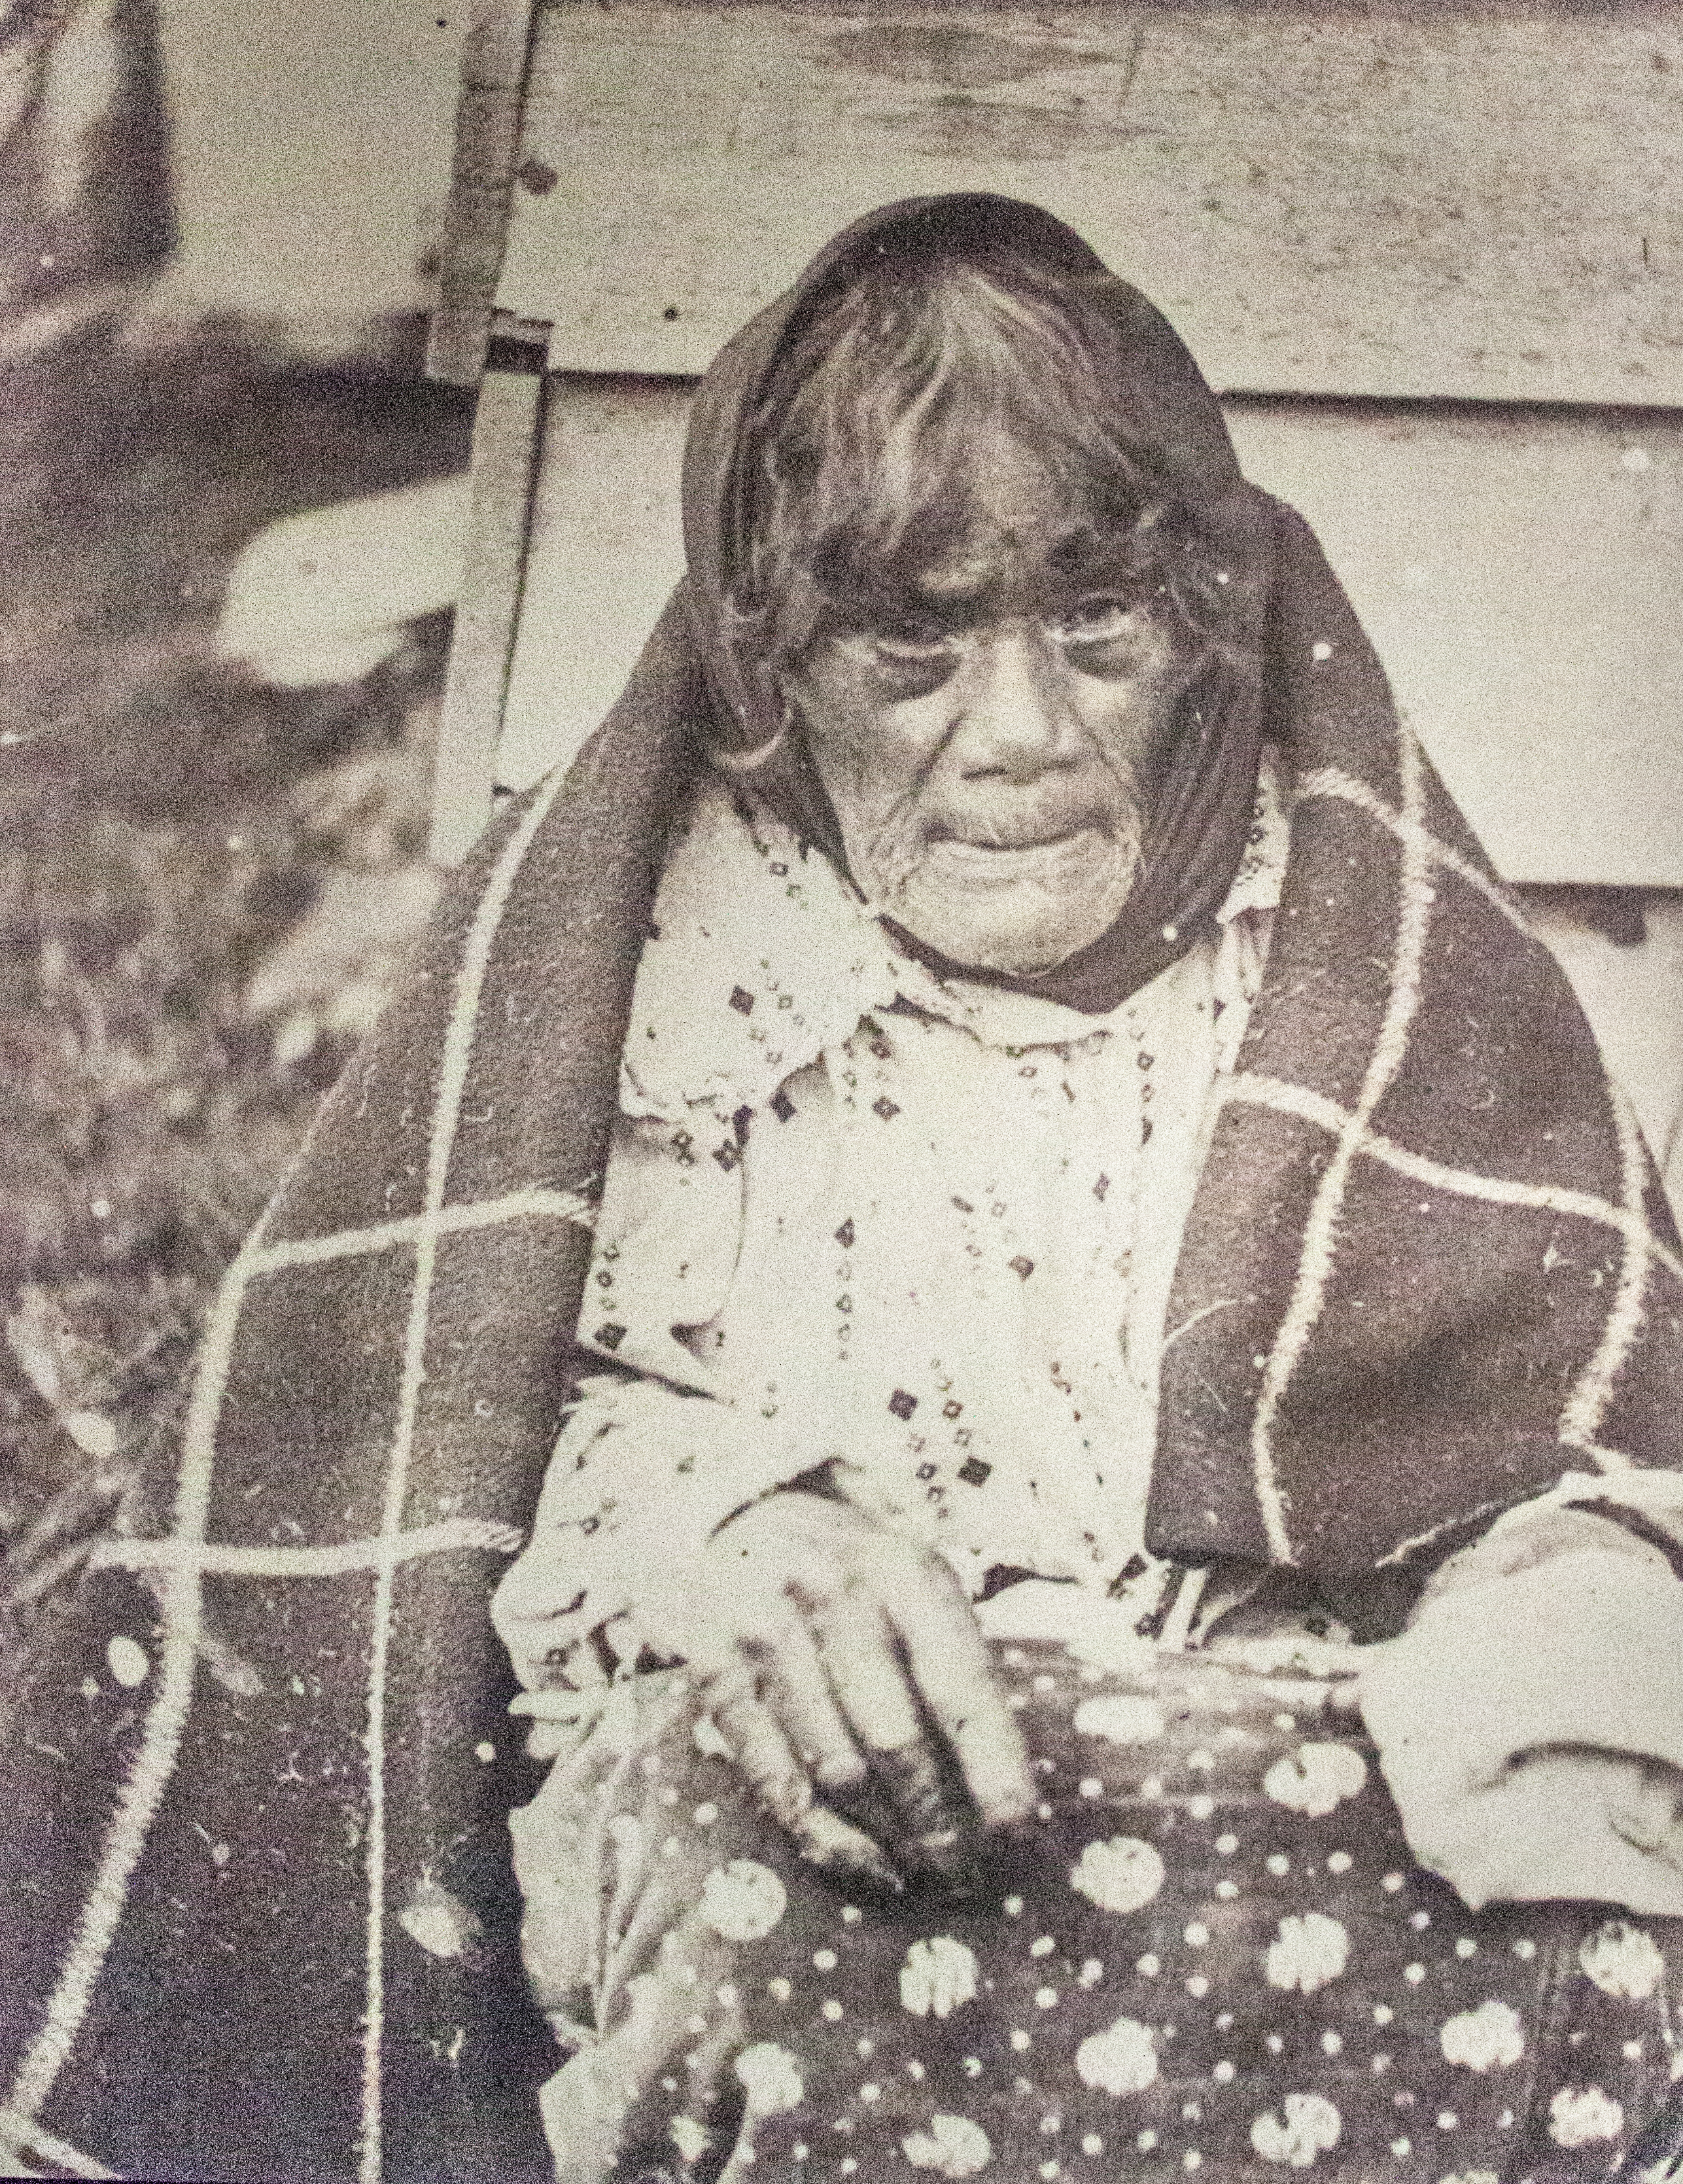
x=1103, y=1604
x=950, y=970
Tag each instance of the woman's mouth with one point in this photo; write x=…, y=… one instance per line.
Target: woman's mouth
x=1046, y=862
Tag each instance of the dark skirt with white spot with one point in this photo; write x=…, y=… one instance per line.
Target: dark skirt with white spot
x=1211, y=1957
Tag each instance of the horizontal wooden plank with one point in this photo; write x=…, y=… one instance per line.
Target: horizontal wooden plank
x=1519, y=575
x=1519, y=572
x=1482, y=201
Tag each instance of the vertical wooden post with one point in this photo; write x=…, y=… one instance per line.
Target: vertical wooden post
x=506, y=434
x=460, y=348
x=488, y=145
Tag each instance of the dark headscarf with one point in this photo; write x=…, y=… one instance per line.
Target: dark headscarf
x=1201, y=809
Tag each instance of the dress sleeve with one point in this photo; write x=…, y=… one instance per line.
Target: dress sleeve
x=642, y=1476
x=1529, y=1719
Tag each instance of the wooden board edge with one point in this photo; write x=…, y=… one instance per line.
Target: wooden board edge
x=506, y=434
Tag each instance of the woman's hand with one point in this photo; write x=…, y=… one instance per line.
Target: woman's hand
x=843, y=1664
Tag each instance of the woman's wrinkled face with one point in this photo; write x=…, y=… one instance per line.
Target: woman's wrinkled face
x=989, y=730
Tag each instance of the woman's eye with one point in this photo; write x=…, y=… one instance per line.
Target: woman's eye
x=912, y=641
x=1096, y=620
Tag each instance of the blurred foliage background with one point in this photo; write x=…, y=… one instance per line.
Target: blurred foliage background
x=204, y=880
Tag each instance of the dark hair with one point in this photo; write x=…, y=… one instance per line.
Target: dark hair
x=868, y=452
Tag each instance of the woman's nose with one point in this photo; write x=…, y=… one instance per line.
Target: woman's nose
x=1016, y=721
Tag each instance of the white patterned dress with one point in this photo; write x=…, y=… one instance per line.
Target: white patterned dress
x=922, y=1234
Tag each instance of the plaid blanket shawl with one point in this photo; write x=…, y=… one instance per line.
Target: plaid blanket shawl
x=256, y=1915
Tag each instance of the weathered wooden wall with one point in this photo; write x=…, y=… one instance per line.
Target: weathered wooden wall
x=1481, y=201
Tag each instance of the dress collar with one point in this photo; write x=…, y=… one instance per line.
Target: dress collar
x=761, y=957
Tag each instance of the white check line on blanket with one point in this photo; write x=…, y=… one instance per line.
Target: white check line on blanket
x=180, y=1594
x=1581, y=1420
x=452, y=1077
x=343, y=1558
x=21, y=2136
x=1320, y=1230
x=1310, y=1107
x=1400, y=1554
x=180, y=1600
x=534, y=1203
x=1351, y=788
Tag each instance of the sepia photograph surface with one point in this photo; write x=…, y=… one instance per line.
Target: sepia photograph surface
x=841, y=1091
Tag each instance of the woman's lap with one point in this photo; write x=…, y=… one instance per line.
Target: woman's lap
x=1213, y=1953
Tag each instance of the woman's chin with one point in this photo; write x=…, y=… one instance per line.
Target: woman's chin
x=996, y=930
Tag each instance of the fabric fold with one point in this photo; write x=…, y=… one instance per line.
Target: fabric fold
x=1531, y=1730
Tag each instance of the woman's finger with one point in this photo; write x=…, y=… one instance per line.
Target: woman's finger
x=947, y=1660
x=765, y=1756
x=794, y=1681
x=931, y=1825
x=824, y=1839
x=868, y=1676
x=770, y=1765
